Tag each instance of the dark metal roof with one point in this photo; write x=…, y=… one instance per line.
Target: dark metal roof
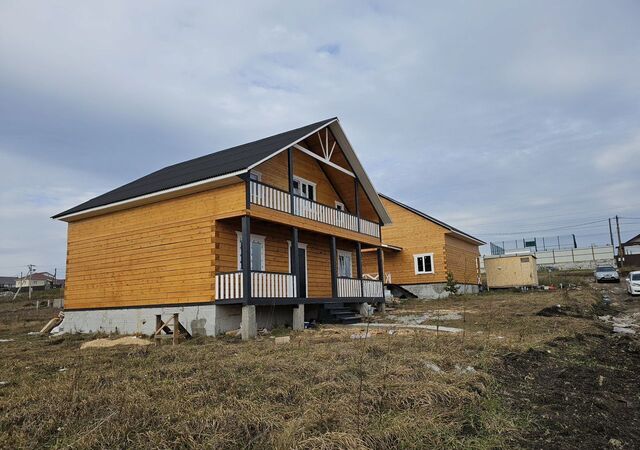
x=209, y=166
x=432, y=219
x=633, y=241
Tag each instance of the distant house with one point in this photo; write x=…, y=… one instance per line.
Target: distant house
x=38, y=281
x=7, y=282
x=419, y=250
x=631, y=251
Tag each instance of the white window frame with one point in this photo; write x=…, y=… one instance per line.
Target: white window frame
x=256, y=237
x=257, y=174
x=306, y=263
x=415, y=263
x=302, y=181
x=344, y=253
x=341, y=205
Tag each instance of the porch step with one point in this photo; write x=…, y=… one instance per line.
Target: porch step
x=338, y=313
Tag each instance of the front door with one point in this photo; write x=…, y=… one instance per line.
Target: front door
x=302, y=272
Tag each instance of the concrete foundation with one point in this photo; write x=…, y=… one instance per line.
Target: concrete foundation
x=434, y=291
x=298, y=318
x=248, y=325
x=199, y=320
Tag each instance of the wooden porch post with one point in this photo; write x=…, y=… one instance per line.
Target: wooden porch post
x=247, y=189
x=294, y=261
x=290, y=172
x=334, y=270
x=246, y=259
x=355, y=182
x=380, y=265
x=359, y=266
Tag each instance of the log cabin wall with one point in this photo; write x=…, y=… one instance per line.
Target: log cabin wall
x=415, y=235
x=161, y=253
x=462, y=259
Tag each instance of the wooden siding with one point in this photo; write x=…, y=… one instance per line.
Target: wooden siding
x=160, y=253
x=276, y=252
x=511, y=271
x=462, y=259
x=415, y=235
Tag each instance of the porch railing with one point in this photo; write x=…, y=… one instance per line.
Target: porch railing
x=372, y=288
x=354, y=287
x=274, y=198
x=263, y=284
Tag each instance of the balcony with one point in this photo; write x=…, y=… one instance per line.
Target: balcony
x=271, y=197
x=275, y=285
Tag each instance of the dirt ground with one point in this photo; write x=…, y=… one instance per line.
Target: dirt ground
x=523, y=373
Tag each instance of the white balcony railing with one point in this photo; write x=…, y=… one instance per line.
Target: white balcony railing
x=271, y=197
x=263, y=284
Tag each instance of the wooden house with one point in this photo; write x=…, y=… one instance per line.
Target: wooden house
x=298, y=205
x=420, y=250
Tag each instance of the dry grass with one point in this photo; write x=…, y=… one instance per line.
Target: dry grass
x=322, y=391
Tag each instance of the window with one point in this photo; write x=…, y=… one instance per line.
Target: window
x=304, y=188
x=524, y=260
x=339, y=206
x=257, y=252
x=344, y=264
x=254, y=175
x=423, y=263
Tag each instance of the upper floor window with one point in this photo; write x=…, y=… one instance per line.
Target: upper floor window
x=423, y=263
x=304, y=188
x=254, y=175
x=339, y=206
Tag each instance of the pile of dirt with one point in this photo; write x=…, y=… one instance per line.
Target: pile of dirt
x=104, y=343
x=562, y=310
x=581, y=392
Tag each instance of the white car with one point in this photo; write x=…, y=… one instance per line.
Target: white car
x=633, y=283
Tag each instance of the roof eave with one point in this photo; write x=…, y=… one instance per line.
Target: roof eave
x=149, y=198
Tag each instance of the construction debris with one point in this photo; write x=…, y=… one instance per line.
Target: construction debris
x=6, y=340
x=433, y=367
x=282, y=340
x=416, y=327
x=360, y=336
x=104, y=343
x=52, y=324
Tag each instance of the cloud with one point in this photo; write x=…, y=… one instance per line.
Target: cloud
x=493, y=116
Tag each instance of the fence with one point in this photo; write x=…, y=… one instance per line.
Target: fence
x=534, y=244
x=574, y=258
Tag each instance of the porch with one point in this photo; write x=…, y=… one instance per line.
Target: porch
x=269, y=286
x=289, y=266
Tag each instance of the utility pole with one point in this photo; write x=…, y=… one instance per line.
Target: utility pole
x=19, y=287
x=611, y=233
x=31, y=267
x=620, y=248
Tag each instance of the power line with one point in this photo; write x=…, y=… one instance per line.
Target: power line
x=546, y=229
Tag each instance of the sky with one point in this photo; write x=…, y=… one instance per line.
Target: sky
x=507, y=119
